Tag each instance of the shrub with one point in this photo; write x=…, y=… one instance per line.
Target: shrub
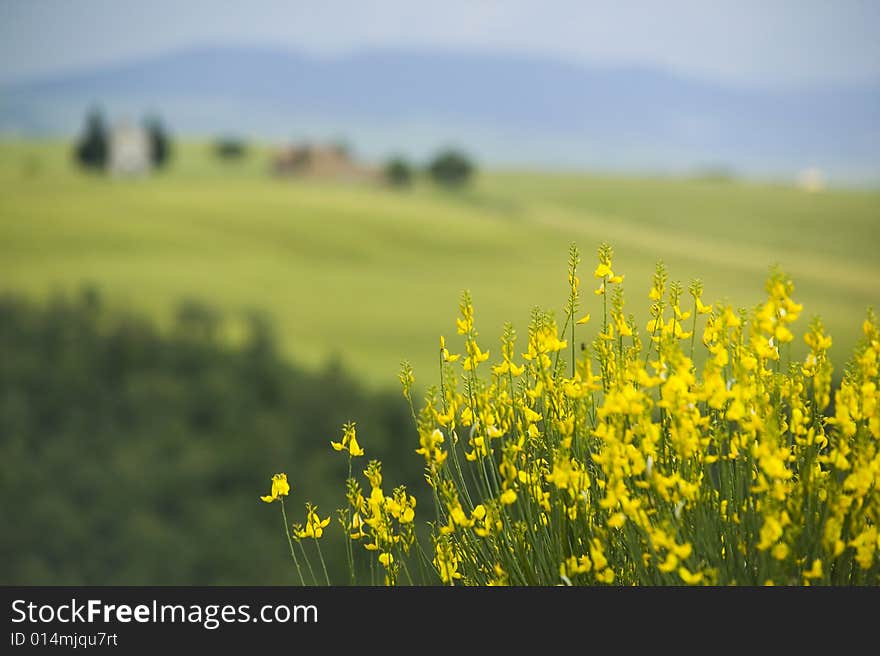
x=160, y=142
x=398, y=172
x=625, y=463
x=230, y=148
x=136, y=449
x=451, y=168
x=92, y=150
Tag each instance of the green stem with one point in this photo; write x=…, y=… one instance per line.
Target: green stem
x=308, y=562
x=290, y=542
x=404, y=567
x=604, y=305
x=321, y=557
x=453, y=436
x=658, y=318
x=349, y=551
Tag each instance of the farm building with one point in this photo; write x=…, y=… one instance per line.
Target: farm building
x=129, y=150
x=324, y=162
x=811, y=179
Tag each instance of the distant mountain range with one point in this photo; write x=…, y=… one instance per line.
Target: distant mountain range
x=508, y=110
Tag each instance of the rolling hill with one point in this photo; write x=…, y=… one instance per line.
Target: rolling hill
x=511, y=110
x=373, y=275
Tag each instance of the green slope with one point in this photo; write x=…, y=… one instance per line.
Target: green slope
x=373, y=275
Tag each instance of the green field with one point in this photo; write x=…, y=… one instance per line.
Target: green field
x=374, y=275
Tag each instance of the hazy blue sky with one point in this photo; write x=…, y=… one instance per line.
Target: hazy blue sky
x=739, y=41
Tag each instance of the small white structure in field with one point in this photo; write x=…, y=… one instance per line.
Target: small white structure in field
x=811, y=180
x=129, y=151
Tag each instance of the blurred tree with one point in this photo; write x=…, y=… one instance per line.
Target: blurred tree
x=160, y=142
x=197, y=320
x=451, y=168
x=92, y=149
x=142, y=453
x=230, y=148
x=398, y=172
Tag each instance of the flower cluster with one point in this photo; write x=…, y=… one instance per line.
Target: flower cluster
x=695, y=452
x=383, y=524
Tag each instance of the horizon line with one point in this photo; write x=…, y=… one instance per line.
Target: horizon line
x=722, y=82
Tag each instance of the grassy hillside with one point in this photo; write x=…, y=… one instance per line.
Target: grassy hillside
x=374, y=275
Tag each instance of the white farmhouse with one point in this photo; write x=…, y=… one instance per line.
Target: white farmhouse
x=811, y=179
x=129, y=151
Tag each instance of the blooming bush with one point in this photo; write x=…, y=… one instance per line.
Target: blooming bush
x=625, y=463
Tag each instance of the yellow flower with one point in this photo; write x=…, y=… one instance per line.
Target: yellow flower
x=584, y=319
x=574, y=565
x=815, y=572
x=280, y=488
x=683, y=551
x=687, y=577
x=444, y=353
x=617, y=520
x=598, y=555
x=508, y=497
x=446, y=562
x=458, y=516
x=866, y=544
x=771, y=530
x=357, y=527
x=314, y=527
x=603, y=270
x=669, y=564
x=475, y=356
x=349, y=441
x=780, y=551
x=605, y=576
x=353, y=447
x=430, y=447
